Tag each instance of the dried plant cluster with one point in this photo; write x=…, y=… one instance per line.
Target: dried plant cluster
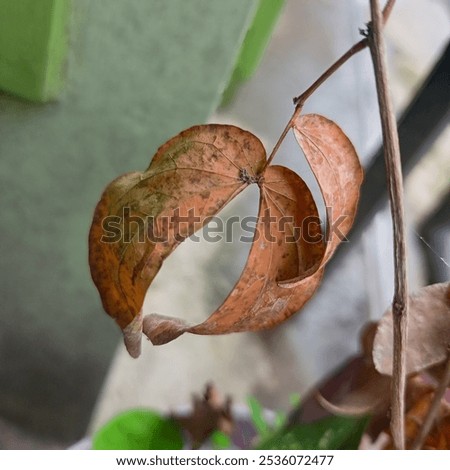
x=196, y=173
x=427, y=373
x=199, y=171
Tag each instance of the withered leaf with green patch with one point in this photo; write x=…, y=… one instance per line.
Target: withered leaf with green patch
x=197, y=173
x=191, y=176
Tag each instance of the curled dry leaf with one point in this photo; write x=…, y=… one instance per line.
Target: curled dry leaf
x=260, y=298
x=336, y=166
x=279, y=252
x=191, y=177
x=428, y=331
x=197, y=173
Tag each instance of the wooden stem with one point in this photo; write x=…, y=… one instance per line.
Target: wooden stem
x=395, y=188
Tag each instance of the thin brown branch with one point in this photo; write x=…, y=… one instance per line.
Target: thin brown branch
x=300, y=100
x=395, y=187
x=297, y=111
x=387, y=10
x=434, y=408
x=359, y=46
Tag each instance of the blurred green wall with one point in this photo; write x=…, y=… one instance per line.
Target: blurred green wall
x=136, y=73
x=33, y=47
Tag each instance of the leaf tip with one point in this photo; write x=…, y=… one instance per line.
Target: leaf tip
x=132, y=334
x=161, y=329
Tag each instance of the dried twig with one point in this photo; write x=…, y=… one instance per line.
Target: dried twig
x=395, y=187
x=300, y=100
x=434, y=408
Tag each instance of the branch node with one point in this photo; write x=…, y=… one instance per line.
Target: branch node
x=367, y=31
x=298, y=101
x=399, y=307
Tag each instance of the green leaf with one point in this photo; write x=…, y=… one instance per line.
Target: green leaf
x=280, y=420
x=332, y=433
x=294, y=399
x=139, y=430
x=257, y=416
x=220, y=440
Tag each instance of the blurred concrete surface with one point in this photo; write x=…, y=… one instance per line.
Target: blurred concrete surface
x=137, y=72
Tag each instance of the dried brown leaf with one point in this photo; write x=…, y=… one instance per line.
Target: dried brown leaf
x=428, y=331
x=209, y=413
x=200, y=170
x=419, y=396
x=195, y=173
x=336, y=166
x=257, y=301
